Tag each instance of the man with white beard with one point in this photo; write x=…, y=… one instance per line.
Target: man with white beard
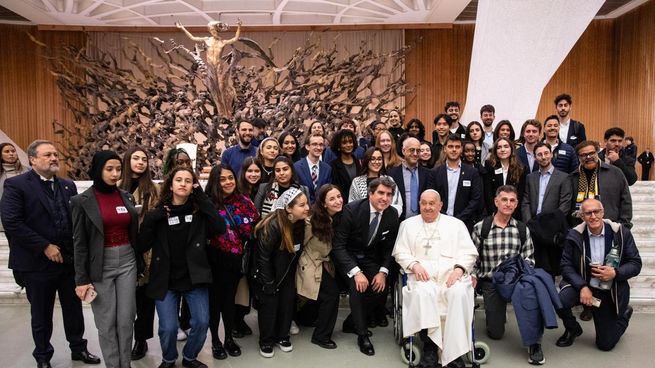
x=437, y=253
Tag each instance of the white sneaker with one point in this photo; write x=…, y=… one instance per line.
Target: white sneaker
x=181, y=335
x=294, y=330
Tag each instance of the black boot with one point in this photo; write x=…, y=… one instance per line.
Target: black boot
x=139, y=350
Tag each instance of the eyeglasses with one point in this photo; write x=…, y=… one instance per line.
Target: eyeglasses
x=597, y=213
x=317, y=145
x=587, y=155
x=413, y=150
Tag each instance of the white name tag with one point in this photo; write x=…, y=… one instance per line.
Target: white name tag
x=574, y=137
x=562, y=152
x=121, y=209
x=188, y=218
x=173, y=221
x=296, y=247
x=385, y=232
x=466, y=183
x=499, y=170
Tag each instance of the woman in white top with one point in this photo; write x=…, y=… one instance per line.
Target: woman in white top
x=372, y=167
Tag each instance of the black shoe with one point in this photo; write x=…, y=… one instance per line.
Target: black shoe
x=285, y=345
x=139, y=350
x=429, y=360
x=167, y=365
x=244, y=328
x=237, y=334
x=266, y=350
x=43, y=365
x=193, y=363
x=568, y=337
x=365, y=345
x=232, y=348
x=536, y=355
x=586, y=314
x=457, y=363
x=85, y=357
x=372, y=324
x=628, y=313
x=383, y=322
x=350, y=328
x=325, y=344
x=218, y=351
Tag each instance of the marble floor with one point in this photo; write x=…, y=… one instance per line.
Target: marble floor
x=16, y=346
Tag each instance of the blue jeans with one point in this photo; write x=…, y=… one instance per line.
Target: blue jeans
x=198, y=301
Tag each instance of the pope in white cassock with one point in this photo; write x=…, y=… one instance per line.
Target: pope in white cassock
x=437, y=253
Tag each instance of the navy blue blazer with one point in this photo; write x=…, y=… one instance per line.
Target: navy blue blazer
x=576, y=133
x=425, y=181
x=468, y=196
x=522, y=154
x=27, y=219
x=305, y=176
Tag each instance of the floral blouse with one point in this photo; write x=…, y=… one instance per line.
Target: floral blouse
x=244, y=217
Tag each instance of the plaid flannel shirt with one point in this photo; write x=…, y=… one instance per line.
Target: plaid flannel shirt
x=500, y=245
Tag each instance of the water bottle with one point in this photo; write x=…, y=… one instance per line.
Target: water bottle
x=612, y=260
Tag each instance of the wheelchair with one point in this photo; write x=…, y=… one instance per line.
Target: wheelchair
x=410, y=354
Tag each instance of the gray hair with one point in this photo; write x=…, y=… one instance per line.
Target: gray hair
x=383, y=180
x=408, y=141
x=31, y=149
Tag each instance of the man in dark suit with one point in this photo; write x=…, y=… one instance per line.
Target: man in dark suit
x=571, y=132
x=361, y=249
x=311, y=171
x=412, y=179
x=530, y=132
x=646, y=159
x=37, y=221
x=459, y=186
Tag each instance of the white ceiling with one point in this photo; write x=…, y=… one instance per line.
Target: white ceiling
x=251, y=12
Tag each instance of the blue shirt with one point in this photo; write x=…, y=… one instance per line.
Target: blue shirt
x=407, y=179
x=235, y=155
x=544, y=178
x=597, y=247
x=453, y=180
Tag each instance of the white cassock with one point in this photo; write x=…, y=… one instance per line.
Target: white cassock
x=446, y=312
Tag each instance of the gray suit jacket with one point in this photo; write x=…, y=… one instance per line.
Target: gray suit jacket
x=89, y=237
x=558, y=194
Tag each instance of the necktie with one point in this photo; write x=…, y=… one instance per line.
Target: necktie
x=315, y=175
x=413, y=189
x=372, y=226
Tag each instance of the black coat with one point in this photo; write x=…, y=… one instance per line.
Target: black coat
x=576, y=271
x=28, y=222
x=576, y=133
x=493, y=180
x=625, y=163
x=468, y=198
x=153, y=235
x=349, y=245
x=340, y=176
x=89, y=236
x=274, y=264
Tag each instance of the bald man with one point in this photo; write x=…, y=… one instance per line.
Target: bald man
x=603, y=288
x=437, y=253
x=412, y=179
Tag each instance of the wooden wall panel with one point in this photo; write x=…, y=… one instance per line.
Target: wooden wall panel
x=29, y=98
x=634, y=96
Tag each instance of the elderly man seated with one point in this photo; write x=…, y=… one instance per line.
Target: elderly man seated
x=437, y=253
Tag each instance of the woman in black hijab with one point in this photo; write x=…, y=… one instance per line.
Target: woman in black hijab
x=105, y=225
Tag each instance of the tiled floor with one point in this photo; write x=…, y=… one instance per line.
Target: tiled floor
x=633, y=350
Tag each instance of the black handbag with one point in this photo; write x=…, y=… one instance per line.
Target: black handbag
x=245, y=257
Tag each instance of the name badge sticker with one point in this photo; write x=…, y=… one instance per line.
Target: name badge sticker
x=574, y=137
x=499, y=170
x=466, y=183
x=121, y=209
x=173, y=221
x=188, y=218
x=562, y=152
x=296, y=247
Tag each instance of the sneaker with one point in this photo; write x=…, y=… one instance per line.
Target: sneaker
x=536, y=355
x=181, y=335
x=285, y=345
x=294, y=330
x=266, y=351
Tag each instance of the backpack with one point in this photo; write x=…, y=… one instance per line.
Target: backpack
x=486, y=228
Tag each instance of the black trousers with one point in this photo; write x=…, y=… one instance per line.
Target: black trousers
x=609, y=326
x=328, y=307
x=645, y=172
x=362, y=305
x=276, y=311
x=495, y=308
x=221, y=300
x=145, y=315
x=41, y=288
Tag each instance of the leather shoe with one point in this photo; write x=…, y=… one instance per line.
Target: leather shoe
x=457, y=363
x=166, y=365
x=232, y=348
x=218, y=352
x=43, y=365
x=193, y=363
x=628, y=313
x=139, y=350
x=365, y=345
x=586, y=314
x=383, y=322
x=568, y=337
x=85, y=357
x=325, y=344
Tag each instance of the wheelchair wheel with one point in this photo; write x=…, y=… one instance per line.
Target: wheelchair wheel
x=481, y=351
x=398, y=313
x=404, y=353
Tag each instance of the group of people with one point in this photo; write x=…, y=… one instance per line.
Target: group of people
x=286, y=228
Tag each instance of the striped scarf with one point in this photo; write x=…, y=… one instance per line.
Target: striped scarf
x=587, y=188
